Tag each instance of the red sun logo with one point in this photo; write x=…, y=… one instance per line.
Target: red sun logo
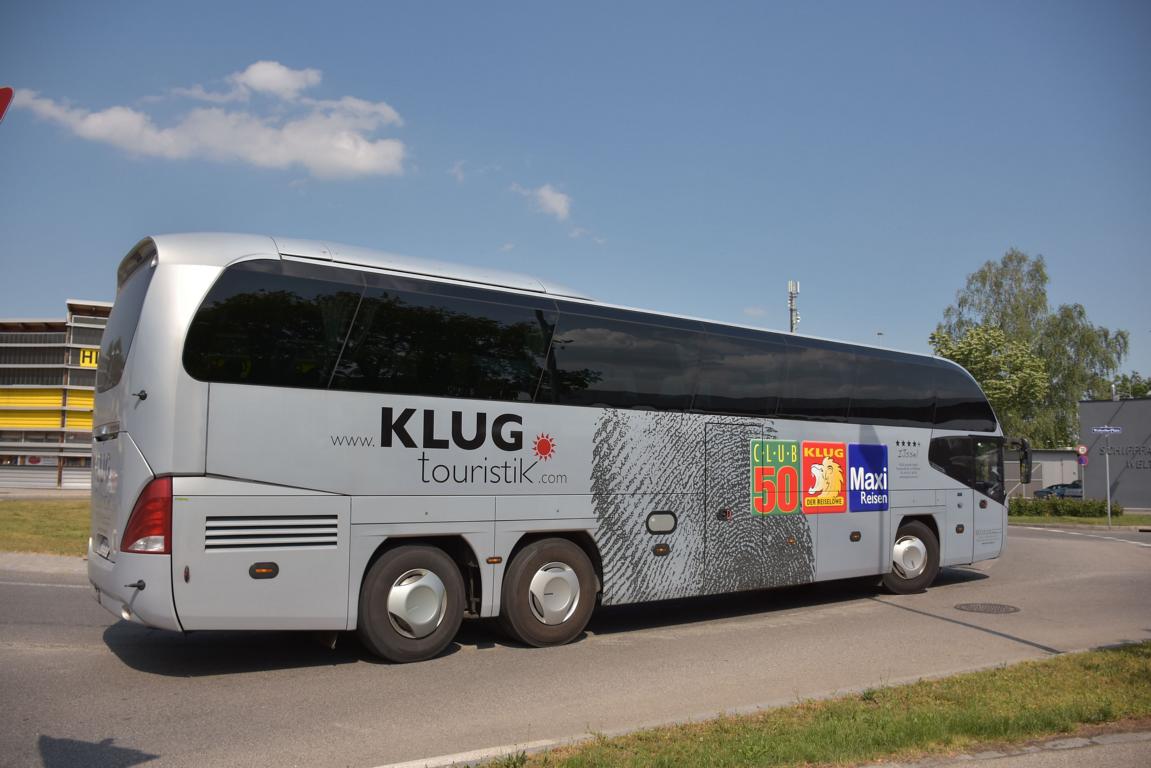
x=545, y=447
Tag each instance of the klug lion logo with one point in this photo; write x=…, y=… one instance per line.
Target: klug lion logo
x=825, y=464
x=827, y=479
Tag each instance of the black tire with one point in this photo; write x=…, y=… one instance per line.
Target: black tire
x=520, y=611
x=897, y=581
x=390, y=636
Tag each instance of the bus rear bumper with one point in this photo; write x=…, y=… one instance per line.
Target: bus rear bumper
x=118, y=588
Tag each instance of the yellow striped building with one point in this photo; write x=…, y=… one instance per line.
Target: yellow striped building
x=47, y=384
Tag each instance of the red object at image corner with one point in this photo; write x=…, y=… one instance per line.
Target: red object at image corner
x=6, y=95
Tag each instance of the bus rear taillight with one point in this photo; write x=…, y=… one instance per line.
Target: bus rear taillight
x=149, y=530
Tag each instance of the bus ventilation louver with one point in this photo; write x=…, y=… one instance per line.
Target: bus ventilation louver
x=271, y=532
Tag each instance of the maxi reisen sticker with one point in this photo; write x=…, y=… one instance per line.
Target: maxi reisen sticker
x=775, y=486
x=824, y=477
x=867, y=478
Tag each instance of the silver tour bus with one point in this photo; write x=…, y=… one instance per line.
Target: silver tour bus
x=300, y=435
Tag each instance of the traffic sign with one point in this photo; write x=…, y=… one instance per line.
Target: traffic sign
x=1082, y=460
x=1081, y=449
x=1107, y=430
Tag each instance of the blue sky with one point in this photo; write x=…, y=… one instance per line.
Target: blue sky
x=683, y=157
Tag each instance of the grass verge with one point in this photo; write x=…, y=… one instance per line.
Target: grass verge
x=1125, y=520
x=47, y=526
x=999, y=706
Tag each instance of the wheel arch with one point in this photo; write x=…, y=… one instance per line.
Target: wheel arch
x=580, y=538
x=928, y=520
x=454, y=546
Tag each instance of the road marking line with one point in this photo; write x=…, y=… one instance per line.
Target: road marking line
x=1088, y=535
x=476, y=755
x=42, y=584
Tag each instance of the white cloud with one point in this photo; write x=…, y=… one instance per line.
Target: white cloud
x=462, y=170
x=199, y=93
x=754, y=312
x=547, y=199
x=579, y=232
x=552, y=201
x=328, y=138
x=457, y=171
x=507, y=247
x=274, y=78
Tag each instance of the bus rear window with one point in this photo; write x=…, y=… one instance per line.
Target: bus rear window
x=122, y=326
x=269, y=323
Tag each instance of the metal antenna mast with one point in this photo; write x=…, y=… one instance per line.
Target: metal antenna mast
x=792, y=311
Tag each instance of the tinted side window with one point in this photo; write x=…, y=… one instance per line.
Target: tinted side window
x=819, y=377
x=740, y=376
x=272, y=323
x=618, y=363
x=974, y=461
x=121, y=327
x=892, y=390
x=959, y=402
x=411, y=342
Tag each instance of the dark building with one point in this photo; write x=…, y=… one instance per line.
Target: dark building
x=1130, y=450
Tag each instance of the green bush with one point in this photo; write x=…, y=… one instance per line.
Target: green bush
x=1056, y=507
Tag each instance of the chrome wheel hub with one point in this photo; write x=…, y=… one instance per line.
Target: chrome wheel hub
x=417, y=603
x=554, y=593
x=909, y=557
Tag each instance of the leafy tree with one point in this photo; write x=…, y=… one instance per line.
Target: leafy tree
x=1012, y=376
x=1079, y=357
x=1126, y=385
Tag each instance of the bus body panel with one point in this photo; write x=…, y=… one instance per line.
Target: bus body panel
x=302, y=542
x=850, y=544
x=990, y=530
x=119, y=473
x=957, y=531
x=152, y=605
x=366, y=444
x=167, y=423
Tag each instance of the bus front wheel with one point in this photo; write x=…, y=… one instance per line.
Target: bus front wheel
x=914, y=559
x=549, y=591
x=411, y=604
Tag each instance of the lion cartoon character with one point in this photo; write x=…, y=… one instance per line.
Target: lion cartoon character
x=827, y=479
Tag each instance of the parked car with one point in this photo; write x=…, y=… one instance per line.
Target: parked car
x=1061, y=491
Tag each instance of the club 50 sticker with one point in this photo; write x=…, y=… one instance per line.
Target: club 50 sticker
x=775, y=486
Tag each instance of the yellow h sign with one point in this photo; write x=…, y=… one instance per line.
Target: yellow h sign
x=89, y=358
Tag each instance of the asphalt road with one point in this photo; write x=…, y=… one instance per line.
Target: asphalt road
x=79, y=688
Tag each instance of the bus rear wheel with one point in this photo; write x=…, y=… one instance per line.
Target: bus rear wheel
x=411, y=604
x=914, y=559
x=549, y=592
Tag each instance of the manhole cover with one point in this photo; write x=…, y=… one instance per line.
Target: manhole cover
x=986, y=608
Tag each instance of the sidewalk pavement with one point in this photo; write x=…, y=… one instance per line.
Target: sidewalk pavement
x=1085, y=526
x=44, y=493
x=27, y=562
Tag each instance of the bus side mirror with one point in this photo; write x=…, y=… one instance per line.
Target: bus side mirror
x=1020, y=444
